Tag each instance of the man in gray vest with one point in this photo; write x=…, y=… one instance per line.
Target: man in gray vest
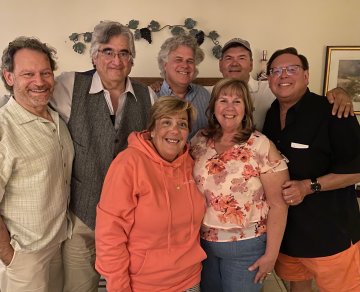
x=101, y=108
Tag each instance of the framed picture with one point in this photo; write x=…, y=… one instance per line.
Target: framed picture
x=342, y=68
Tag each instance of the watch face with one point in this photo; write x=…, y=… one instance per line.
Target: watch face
x=315, y=186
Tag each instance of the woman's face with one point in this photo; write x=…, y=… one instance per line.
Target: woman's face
x=170, y=134
x=229, y=111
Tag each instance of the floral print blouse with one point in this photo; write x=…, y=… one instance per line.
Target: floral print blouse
x=236, y=203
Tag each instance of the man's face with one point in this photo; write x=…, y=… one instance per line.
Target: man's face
x=236, y=63
x=288, y=88
x=180, y=67
x=32, y=79
x=113, y=69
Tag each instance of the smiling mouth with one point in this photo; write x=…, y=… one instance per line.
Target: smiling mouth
x=284, y=84
x=183, y=73
x=229, y=116
x=172, y=141
x=39, y=90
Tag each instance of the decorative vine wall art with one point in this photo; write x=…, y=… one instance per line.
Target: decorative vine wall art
x=83, y=38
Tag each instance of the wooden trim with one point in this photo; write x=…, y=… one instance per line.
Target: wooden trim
x=204, y=81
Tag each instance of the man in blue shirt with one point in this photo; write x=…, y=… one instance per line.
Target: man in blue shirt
x=177, y=59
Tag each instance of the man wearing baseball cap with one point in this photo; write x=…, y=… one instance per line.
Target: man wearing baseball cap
x=237, y=62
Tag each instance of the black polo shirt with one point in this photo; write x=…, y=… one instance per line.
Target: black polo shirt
x=316, y=143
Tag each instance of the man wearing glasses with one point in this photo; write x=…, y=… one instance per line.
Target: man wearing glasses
x=101, y=108
x=237, y=62
x=322, y=236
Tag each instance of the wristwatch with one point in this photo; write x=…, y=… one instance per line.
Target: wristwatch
x=315, y=186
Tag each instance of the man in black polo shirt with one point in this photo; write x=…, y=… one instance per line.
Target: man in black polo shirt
x=322, y=236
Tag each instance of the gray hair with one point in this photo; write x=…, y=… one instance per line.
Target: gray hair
x=22, y=42
x=172, y=44
x=105, y=30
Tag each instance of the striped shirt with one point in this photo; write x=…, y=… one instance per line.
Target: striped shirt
x=35, y=170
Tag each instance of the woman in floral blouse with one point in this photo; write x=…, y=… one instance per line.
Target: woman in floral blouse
x=241, y=173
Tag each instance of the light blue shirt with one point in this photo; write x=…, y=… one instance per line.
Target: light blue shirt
x=199, y=97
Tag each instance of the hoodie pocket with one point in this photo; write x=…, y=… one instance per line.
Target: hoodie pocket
x=170, y=266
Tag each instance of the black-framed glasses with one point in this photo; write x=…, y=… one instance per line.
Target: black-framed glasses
x=110, y=54
x=290, y=70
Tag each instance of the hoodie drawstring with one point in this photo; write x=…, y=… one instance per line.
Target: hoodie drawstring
x=168, y=206
x=188, y=192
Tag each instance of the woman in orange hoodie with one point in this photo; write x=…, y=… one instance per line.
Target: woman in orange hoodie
x=150, y=211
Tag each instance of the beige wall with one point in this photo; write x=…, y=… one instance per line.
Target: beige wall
x=309, y=25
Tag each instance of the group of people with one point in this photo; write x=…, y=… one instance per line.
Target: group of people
x=97, y=175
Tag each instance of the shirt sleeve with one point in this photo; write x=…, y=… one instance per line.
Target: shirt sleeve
x=345, y=145
x=114, y=220
x=62, y=96
x=266, y=165
x=6, y=164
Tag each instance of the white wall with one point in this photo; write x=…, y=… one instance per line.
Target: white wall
x=309, y=25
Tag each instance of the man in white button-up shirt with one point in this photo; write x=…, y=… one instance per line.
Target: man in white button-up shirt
x=36, y=155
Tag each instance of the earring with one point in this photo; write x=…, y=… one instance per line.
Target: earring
x=152, y=135
x=214, y=118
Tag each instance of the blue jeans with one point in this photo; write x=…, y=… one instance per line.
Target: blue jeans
x=227, y=263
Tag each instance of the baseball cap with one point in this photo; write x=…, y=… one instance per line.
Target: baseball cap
x=236, y=41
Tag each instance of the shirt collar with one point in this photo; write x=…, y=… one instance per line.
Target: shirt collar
x=165, y=87
x=23, y=116
x=253, y=85
x=97, y=86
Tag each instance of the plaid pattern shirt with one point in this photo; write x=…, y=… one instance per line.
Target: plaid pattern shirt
x=35, y=170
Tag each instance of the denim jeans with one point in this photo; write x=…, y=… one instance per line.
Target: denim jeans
x=227, y=263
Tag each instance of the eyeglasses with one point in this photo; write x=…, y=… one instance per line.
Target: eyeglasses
x=290, y=70
x=109, y=54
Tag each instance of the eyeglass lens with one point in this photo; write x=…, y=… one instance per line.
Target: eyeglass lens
x=290, y=70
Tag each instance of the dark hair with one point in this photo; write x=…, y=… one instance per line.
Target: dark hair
x=230, y=86
x=31, y=43
x=170, y=105
x=291, y=51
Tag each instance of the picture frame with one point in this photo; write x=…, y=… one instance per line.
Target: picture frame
x=342, y=69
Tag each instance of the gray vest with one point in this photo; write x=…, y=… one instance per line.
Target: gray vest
x=96, y=141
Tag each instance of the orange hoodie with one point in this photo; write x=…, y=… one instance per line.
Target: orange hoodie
x=148, y=221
